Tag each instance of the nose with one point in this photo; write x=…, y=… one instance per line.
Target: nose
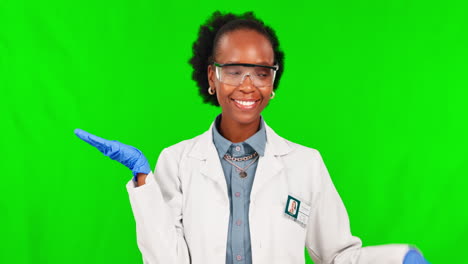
x=247, y=83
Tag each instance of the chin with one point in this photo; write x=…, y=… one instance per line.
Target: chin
x=244, y=118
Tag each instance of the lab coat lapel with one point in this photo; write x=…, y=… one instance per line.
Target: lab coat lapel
x=269, y=165
x=210, y=166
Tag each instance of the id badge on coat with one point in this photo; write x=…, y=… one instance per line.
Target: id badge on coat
x=297, y=210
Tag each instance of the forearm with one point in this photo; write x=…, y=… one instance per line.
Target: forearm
x=159, y=231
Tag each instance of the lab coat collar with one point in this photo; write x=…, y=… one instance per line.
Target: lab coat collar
x=204, y=146
x=268, y=165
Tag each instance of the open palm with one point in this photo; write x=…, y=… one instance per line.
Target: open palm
x=129, y=156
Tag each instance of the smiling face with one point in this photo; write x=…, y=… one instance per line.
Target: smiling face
x=242, y=104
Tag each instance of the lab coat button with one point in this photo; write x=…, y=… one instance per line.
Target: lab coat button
x=239, y=257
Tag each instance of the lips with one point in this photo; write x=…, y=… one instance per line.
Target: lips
x=246, y=104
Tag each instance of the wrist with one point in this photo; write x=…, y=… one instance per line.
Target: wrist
x=141, y=179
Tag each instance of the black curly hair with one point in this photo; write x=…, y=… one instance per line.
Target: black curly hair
x=208, y=36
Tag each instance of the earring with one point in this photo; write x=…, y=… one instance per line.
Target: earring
x=272, y=95
x=211, y=91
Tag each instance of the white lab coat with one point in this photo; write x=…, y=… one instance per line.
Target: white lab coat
x=182, y=211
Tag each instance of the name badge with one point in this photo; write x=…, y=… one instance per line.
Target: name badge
x=297, y=210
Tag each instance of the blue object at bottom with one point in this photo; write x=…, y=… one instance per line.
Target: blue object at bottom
x=414, y=257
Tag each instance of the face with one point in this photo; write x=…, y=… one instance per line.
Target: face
x=242, y=46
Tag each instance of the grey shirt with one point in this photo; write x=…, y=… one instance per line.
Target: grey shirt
x=238, y=248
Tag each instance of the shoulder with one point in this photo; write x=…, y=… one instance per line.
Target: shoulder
x=302, y=149
x=288, y=148
x=305, y=163
x=305, y=157
x=184, y=147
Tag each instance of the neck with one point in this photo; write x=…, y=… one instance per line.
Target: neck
x=238, y=132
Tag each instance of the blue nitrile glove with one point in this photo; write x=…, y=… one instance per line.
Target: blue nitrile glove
x=414, y=257
x=125, y=154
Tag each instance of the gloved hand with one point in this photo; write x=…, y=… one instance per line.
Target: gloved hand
x=125, y=154
x=414, y=257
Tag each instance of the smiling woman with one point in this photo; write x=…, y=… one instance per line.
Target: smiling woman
x=240, y=193
x=237, y=58
x=241, y=98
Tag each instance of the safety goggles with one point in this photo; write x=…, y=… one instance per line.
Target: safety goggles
x=235, y=73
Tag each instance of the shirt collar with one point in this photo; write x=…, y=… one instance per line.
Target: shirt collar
x=257, y=141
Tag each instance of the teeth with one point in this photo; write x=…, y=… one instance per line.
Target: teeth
x=247, y=103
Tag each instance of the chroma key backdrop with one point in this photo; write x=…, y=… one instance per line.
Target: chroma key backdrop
x=378, y=87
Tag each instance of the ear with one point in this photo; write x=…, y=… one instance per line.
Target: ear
x=211, y=76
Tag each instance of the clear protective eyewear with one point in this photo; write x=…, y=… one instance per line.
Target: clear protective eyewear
x=235, y=73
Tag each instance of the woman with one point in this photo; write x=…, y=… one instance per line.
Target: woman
x=225, y=196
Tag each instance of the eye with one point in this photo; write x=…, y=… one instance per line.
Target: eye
x=262, y=72
x=233, y=72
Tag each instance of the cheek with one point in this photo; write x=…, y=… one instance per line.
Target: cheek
x=266, y=96
x=223, y=95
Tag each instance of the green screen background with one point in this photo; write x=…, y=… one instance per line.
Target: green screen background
x=378, y=87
